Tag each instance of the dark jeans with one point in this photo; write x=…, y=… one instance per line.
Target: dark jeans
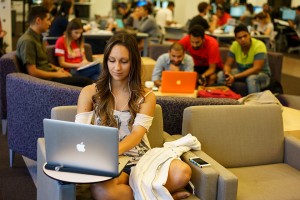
x=74, y=80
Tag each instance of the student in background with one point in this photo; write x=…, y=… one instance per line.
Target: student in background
x=31, y=51
x=206, y=54
x=174, y=60
x=118, y=99
x=60, y=22
x=51, y=6
x=70, y=51
x=203, y=9
x=295, y=24
x=126, y=14
x=250, y=55
x=265, y=26
x=222, y=16
x=248, y=15
x=147, y=23
x=164, y=16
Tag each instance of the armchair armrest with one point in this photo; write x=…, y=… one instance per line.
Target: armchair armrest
x=203, y=179
x=227, y=183
x=292, y=151
x=48, y=188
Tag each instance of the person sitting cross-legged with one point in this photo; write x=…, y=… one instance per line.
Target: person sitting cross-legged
x=250, y=55
x=175, y=60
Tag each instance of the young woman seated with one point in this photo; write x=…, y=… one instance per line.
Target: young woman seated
x=118, y=99
x=69, y=49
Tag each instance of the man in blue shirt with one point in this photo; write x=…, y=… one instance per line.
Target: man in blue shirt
x=174, y=60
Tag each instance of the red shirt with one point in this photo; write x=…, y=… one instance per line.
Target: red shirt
x=223, y=20
x=62, y=50
x=209, y=52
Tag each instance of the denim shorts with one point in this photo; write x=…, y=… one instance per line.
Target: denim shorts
x=127, y=169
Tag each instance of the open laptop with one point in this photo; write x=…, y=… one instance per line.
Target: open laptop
x=82, y=148
x=120, y=23
x=178, y=82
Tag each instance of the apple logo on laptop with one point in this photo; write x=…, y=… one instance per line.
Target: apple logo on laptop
x=80, y=147
x=178, y=82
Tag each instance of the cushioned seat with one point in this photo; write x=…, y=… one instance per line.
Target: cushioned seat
x=247, y=146
x=204, y=180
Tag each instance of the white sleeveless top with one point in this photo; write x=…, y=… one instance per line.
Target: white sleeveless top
x=122, y=118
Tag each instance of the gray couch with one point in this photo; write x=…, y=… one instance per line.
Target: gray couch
x=248, y=148
x=29, y=101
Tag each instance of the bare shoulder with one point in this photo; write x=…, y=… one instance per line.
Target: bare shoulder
x=149, y=95
x=89, y=90
x=148, y=105
x=85, y=102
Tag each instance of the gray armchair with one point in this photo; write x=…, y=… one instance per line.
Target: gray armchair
x=247, y=146
x=204, y=180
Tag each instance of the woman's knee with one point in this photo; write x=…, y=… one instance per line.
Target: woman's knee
x=181, y=172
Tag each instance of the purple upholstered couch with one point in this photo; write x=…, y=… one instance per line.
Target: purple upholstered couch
x=9, y=63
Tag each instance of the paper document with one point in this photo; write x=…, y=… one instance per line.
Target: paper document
x=89, y=65
x=281, y=22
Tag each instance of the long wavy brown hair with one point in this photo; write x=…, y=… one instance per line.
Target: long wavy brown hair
x=103, y=99
x=74, y=24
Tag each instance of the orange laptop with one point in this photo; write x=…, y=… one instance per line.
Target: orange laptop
x=178, y=82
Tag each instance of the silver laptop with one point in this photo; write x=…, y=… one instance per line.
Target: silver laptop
x=82, y=148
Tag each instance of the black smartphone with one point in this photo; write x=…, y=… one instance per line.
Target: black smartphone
x=199, y=162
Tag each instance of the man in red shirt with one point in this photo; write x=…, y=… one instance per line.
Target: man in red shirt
x=205, y=52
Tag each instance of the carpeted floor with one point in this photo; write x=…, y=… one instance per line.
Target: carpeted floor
x=16, y=182
x=290, y=84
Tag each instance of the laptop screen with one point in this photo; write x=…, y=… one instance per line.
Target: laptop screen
x=288, y=14
x=120, y=23
x=237, y=11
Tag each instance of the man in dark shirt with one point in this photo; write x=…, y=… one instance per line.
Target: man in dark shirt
x=32, y=51
x=203, y=9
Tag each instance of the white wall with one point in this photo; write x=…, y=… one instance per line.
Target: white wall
x=100, y=7
x=186, y=9
x=257, y=2
x=5, y=10
x=295, y=3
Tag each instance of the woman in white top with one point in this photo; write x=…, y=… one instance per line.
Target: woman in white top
x=264, y=24
x=118, y=99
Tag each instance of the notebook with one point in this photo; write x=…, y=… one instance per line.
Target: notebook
x=91, y=64
x=178, y=82
x=82, y=148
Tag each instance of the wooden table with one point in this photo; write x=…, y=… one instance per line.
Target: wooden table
x=291, y=119
x=193, y=95
x=295, y=134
